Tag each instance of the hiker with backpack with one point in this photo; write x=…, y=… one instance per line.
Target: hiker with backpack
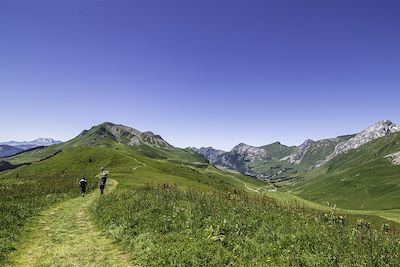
x=102, y=182
x=83, y=185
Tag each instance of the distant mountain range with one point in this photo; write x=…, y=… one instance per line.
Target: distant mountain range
x=13, y=147
x=270, y=162
x=363, y=167
x=277, y=161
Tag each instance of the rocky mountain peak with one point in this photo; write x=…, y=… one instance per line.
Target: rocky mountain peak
x=209, y=153
x=240, y=147
x=250, y=153
x=308, y=155
x=380, y=128
x=239, y=158
x=300, y=152
x=307, y=142
x=124, y=134
x=376, y=130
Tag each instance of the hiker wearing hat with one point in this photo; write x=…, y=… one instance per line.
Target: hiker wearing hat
x=83, y=185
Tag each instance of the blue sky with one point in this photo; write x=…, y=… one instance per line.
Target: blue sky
x=199, y=73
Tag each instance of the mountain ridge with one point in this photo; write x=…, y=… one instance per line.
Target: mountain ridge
x=369, y=175
x=25, y=145
x=6, y=150
x=262, y=162
x=122, y=134
x=374, y=131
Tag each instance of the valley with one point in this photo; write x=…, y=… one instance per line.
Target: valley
x=167, y=197
x=200, y=133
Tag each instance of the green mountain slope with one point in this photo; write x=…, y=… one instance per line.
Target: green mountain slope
x=121, y=148
x=275, y=168
x=277, y=150
x=172, y=208
x=360, y=179
x=309, y=154
x=133, y=158
x=274, y=162
x=320, y=149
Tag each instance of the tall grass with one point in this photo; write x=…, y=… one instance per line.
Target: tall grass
x=22, y=198
x=168, y=226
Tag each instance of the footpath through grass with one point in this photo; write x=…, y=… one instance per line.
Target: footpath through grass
x=64, y=235
x=23, y=198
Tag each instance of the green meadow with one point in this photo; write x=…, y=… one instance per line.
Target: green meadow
x=169, y=207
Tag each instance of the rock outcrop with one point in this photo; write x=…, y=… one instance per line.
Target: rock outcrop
x=209, y=153
x=301, y=151
x=379, y=129
x=238, y=159
x=395, y=158
x=311, y=153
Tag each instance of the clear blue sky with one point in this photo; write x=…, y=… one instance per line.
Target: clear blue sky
x=199, y=72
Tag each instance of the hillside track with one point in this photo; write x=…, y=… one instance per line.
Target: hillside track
x=65, y=235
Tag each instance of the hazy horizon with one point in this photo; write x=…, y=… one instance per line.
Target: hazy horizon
x=206, y=73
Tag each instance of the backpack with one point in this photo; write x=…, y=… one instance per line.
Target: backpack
x=82, y=183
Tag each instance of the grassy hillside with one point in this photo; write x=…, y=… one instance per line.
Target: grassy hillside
x=23, y=195
x=54, y=172
x=277, y=150
x=170, y=226
x=172, y=208
x=34, y=155
x=275, y=168
x=360, y=179
x=320, y=149
x=308, y=158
